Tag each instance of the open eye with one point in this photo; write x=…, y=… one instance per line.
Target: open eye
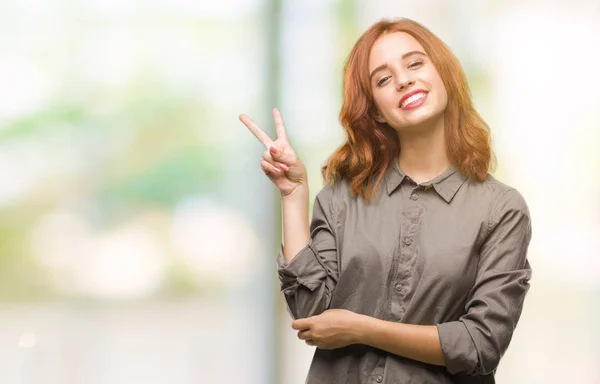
x=380, y=82
x=415, y=64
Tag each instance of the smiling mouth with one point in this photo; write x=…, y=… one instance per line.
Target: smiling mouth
x=414, y=100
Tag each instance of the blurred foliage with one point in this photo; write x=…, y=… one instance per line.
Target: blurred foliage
x=21, y=278
x=146, y=153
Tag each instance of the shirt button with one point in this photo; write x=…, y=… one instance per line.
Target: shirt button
x=398, y=287
x=407, y=241
x=379, y=378
x=414, y=196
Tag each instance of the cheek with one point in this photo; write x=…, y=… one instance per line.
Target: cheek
x=442, y=95
x=383, y=100
x=444, y=99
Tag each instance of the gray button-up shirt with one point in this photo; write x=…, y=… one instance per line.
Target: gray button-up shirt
x=451, y=252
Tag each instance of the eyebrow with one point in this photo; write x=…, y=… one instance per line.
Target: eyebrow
x=384, y=66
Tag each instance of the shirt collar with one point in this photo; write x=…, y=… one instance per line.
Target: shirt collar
x=446, y=184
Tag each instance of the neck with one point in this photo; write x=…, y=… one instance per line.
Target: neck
x=423, y=153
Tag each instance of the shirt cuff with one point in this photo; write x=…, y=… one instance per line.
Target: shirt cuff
x=458, y=348
x=304, y=269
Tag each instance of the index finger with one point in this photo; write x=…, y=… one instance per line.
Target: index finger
x=256, y=131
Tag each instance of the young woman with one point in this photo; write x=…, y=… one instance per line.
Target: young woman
x=414, y=267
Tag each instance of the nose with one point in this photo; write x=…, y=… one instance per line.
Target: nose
x=404, y=83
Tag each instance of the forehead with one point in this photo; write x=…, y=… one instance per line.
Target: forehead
x=390, y=47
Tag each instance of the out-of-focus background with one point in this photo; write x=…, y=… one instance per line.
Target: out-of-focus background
x=138, y=234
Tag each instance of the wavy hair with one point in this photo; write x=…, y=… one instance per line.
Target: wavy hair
x=370, y=146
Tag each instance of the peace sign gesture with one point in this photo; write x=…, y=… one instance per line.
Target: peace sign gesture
x=280, y=163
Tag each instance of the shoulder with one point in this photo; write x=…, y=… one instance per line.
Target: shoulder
x=334, y=194
x=506, y=196
x=504, y=201
x=334, y=197
x=497, y=193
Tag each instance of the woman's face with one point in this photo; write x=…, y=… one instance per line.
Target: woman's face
x=407, y=89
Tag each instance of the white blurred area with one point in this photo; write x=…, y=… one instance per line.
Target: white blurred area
x=129, y=262
x=533, y=71
x=166, y=290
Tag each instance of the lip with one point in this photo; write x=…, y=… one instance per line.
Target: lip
x=406, y=96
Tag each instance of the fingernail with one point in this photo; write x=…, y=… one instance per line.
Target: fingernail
x=274, y=150
x=284, y=167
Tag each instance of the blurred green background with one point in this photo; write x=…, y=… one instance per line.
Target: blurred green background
x=138, y=234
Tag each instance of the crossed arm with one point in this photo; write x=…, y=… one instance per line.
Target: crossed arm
x=473, y=344
x=336, y=328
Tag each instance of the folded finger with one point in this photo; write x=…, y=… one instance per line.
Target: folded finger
x=304, y=334
x=267, y=157
x=270, y=168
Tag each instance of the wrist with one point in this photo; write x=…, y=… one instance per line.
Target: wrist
x=362, y=326
x=300, y=193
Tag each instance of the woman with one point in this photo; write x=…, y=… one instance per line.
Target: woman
x=414, y=268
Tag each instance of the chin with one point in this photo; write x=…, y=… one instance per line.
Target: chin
x=418, y=121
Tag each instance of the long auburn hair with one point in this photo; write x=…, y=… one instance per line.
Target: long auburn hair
x=371, y=147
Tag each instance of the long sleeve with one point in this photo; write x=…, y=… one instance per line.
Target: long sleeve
x=475, y=343
x=309, y=280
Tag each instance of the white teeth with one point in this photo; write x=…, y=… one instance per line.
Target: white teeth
x=412, y=99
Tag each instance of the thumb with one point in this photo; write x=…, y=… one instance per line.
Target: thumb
x=301, y=324
x=280, y=156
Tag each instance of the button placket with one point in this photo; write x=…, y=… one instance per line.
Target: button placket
x=400, y=279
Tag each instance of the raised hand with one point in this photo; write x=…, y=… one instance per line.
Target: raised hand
x=279, y=163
